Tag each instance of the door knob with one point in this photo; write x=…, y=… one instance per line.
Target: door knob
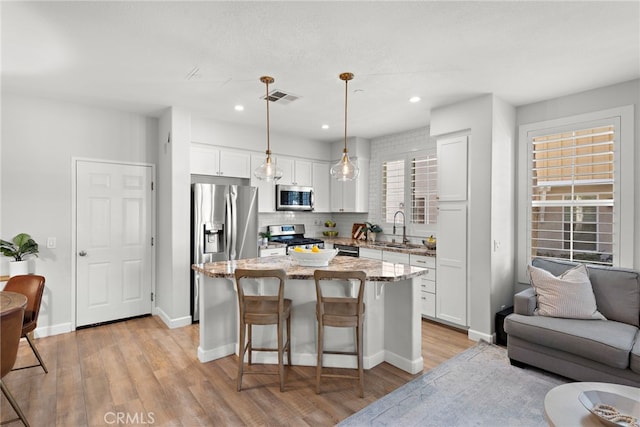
x=82, y=253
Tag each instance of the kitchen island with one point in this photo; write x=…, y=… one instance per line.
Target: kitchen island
x=392, y=328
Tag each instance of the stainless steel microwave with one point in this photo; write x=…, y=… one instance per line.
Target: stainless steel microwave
x=294, y=198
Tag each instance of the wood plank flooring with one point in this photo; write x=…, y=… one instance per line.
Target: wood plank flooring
x=139, y=372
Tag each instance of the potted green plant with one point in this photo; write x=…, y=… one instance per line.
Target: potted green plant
x=372, y=231
x=19, y=248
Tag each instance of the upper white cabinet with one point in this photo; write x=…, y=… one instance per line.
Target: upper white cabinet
x=352, y=196
x=295, y=171
x=451, y=297
x=208, y=160
x=452, y=169
x=321, y=186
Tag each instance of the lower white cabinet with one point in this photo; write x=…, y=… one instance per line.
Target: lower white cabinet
x=371, y=253
x=272, y=251
x=395, y=257
x=427, y=284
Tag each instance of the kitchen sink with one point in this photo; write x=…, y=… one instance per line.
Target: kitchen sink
x=398, y=245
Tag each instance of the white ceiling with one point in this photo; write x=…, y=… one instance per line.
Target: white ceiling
x=136, y=56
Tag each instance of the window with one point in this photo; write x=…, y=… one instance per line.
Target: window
x=572, y=194
x=421, y=194
x=392, y=188
x=424, y=201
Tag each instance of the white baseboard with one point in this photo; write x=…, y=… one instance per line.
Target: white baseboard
x=411, y=366
x=47, y=331
x=481, y=336
x=172, y=323
x=216, y=353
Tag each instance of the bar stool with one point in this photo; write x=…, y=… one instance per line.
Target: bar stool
x=262, y=310
x=341, y=312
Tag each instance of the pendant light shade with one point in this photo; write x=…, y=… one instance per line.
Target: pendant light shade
x=345, y=169
x=268, y=171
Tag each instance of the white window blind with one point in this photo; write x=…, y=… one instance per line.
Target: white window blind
x=572, y=194
x=424, y=178
x=392, y=188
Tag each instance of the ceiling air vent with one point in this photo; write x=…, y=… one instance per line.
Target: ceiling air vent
x=281, y=97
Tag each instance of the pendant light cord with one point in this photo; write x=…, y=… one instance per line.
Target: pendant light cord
x=346, y=91
x=266, y=80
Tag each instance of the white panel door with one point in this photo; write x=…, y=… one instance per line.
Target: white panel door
x=452, y=169
x=451, y=262
x=113, y=241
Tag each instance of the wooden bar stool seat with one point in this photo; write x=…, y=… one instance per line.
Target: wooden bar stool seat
x=340, y=312
x=260, y=309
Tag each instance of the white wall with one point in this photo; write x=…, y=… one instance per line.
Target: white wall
x=39, y=139
x=475, y=117
x=622, y=94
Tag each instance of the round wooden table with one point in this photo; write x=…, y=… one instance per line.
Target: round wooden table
x=11, y=300
x=562, y=407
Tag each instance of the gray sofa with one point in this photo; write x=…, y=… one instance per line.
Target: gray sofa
x=583, y=350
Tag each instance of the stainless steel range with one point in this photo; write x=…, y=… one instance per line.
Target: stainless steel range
x=293, y=236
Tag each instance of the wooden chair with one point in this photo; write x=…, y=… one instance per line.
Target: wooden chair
x=10, y=331
x=31, y=286
x=340, y=312
x=262, y=310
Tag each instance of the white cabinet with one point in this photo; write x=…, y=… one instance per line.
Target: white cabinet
x=209, y=160
x=295, y=171
x=452, y=169
x=321, y=187
x=264, y=252
x=371, y=253
x=451, y=296
x=266, y=190
x=427, y=284
x=352, y=196
x=395, y=257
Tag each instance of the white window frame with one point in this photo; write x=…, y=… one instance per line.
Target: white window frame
x=412, y=229
x=623, y=247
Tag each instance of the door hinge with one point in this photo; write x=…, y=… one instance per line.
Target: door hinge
x=152, y=295
x=152, y=241
x=151, y=185
x=169, y=138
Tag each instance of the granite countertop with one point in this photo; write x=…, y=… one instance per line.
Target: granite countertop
x=377, y=271
x=411, y=248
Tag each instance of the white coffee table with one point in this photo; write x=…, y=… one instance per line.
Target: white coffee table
x=562, y=407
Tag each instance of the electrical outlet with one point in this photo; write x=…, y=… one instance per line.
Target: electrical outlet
x=51, y=242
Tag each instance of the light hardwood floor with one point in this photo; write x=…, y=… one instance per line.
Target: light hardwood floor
x=147, y=374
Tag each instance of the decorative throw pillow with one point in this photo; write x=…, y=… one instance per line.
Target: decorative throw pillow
x=569, y=295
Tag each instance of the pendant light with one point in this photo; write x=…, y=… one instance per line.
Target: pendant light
x=268, y=171
x=345, y=169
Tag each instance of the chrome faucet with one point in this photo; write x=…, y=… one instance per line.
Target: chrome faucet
x=404, y=227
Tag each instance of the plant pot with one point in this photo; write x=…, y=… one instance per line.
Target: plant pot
x=371, y=237
x=17, y=268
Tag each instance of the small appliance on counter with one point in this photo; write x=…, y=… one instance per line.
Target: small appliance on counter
x=293, y=236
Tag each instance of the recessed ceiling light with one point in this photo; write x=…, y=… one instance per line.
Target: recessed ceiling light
x=239, y=108
x=325, y=126
x=414, y=99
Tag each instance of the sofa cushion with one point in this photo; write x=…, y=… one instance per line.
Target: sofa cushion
x=617, y=290
x=634, y=360
x=568, y=295
x=603, y=341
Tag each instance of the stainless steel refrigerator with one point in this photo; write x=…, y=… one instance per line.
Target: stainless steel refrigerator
x=224, y=226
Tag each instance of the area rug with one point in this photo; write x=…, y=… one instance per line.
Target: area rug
x=475, y=388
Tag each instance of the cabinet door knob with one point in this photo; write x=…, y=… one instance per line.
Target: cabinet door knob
x=82, y=253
